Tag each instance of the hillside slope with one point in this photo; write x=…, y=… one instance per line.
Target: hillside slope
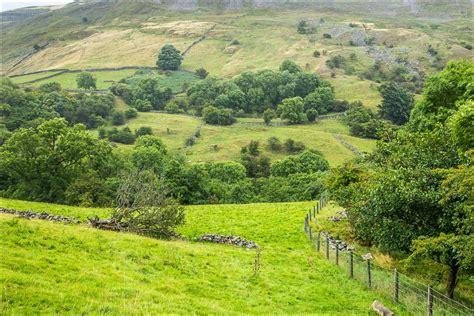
x=226, y=43
x=55, y=268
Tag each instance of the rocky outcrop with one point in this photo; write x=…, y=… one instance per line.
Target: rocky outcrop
x=228, y=240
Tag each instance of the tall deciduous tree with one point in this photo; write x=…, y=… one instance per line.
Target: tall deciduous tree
x=169, y=58
x=396, y=104
x=85, y=80
x=292, y=110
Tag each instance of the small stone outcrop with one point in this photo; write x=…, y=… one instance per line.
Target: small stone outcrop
x=228, y=240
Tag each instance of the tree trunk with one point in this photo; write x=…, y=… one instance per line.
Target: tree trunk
x=452, y=280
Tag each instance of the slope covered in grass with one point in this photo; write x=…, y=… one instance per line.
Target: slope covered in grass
x=174, y=129
x=55, y=268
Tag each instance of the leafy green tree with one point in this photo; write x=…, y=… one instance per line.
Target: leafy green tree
x=143, y=105
x=307, y=162
x=41, y=163
x=50, y=87
x=85, y=80
x=149, y=89
x=213, y=115
x=397, y=103
x=453, y=251
x=321, y=100
x=118, y=118
x=290, y=66
x=268, y=116
x=291, y=109
x=169, y=58
x=149, y=153
x=131, y=113
x=443, y=93
x=462, y=125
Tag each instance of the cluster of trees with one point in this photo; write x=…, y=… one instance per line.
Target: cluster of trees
x=397, y=104
x=54, y=162
x=144, y=95
x=26, y=108
x=413, y=196
x=289, y=93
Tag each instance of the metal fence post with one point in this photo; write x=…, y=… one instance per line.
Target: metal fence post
x=430, y=301
x=395, y=287
x=351, y=264
x=327, y=247
x=337, y=256
x=369, y=275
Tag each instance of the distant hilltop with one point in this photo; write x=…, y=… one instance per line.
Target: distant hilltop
x=410, y=6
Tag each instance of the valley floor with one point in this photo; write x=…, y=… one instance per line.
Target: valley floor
x=56, y=268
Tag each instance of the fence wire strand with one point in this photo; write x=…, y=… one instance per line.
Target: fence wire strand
x=415, y=297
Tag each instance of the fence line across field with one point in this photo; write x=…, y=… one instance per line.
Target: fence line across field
x=414, y=296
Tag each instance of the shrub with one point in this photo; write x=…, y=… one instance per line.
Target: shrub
x=307, y=162
x=143, y=207
x=274, y=144
x=268, y=116
x=326, y=35
x=131, y=113
x=50, y=87
x=123, y=136
x=143, y=130
x=118, y=118
x=213, y=115
x=316, y=54
x=173, y=107
x=143, y=105
x=235, y=42
x=312, y=115
x=293, y=147
x=201, y=73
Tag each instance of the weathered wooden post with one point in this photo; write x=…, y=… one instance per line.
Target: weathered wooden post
x=430, y=301
x=369, y=275
x=337, y=255
x=327, y=247
x=310, y=233
x=317, y=208
x=395, y=287
x=310, y=215
x=351, y=264
x=318, y=242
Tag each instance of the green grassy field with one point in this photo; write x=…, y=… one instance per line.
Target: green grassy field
x=72, y=269
x=104, y=78
x=175, y=80
x=174, y=129
x=27, y=78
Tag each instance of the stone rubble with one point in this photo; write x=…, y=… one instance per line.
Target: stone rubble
x=229, y=240
x=333, y=242
x=42, y=215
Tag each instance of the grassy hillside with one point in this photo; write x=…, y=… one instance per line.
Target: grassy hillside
x=104, y=272
x=174, y=129
x=124, y=34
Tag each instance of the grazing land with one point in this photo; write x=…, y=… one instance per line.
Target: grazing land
x=118, y=272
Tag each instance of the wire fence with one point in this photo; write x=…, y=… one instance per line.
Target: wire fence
x=415, y=297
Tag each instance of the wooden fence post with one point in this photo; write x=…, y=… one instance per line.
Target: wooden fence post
x=395, y=287
x=310, y=233
x=317, y=208
x=430, y=301
x=337, y=256
x=310, y=215
x=369, y=275
x=351, y=264
x=318, y=244
x=327, y=247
